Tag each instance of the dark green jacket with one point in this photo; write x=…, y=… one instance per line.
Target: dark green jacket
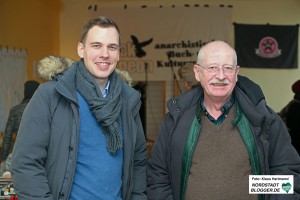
x=276, y=155
x=245, y=132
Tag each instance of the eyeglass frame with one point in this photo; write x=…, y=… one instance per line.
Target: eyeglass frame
x=216, y=69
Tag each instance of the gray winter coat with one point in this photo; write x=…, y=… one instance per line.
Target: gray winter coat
x=276, y=154
x=45, y=153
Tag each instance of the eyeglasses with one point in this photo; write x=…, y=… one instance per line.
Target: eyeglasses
x=214, y=69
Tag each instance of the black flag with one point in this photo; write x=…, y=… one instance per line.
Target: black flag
x=266, y=46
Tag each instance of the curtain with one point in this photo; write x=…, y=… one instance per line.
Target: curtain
x=12, y=78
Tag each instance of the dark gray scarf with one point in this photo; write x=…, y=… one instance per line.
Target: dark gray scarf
x=105, y=110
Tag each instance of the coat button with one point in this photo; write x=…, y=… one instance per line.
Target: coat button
x=61, y=194
x=70, y=148
x=174, y=101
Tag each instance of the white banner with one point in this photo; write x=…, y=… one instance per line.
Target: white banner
x=156, y=41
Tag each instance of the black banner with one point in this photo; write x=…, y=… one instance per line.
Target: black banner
x=266, y=46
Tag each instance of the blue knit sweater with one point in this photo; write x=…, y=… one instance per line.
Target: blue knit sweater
x=98, y=174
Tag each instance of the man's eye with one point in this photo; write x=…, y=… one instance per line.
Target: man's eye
x=213, y=68
x=97, y=46
x=113, y=48
x=228, y=68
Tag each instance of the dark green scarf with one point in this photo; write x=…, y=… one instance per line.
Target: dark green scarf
x=105, y=110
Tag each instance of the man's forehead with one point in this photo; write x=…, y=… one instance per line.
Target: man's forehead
x=217, y=57
x=98, y=34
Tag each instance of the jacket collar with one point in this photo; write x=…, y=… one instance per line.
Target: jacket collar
x=66, y=83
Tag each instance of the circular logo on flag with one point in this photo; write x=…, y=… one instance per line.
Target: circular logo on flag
x=268, y=48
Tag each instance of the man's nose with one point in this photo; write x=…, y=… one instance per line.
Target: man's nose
x=220, y=74
x=104, y=52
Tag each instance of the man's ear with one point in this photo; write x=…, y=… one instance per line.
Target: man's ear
x=237, y=72
x=197, y=72
x=80, y=49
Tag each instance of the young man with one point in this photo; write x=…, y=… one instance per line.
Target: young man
x=81, y=136
x=218, y=134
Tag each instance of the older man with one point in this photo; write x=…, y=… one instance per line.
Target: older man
x=216, y=135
